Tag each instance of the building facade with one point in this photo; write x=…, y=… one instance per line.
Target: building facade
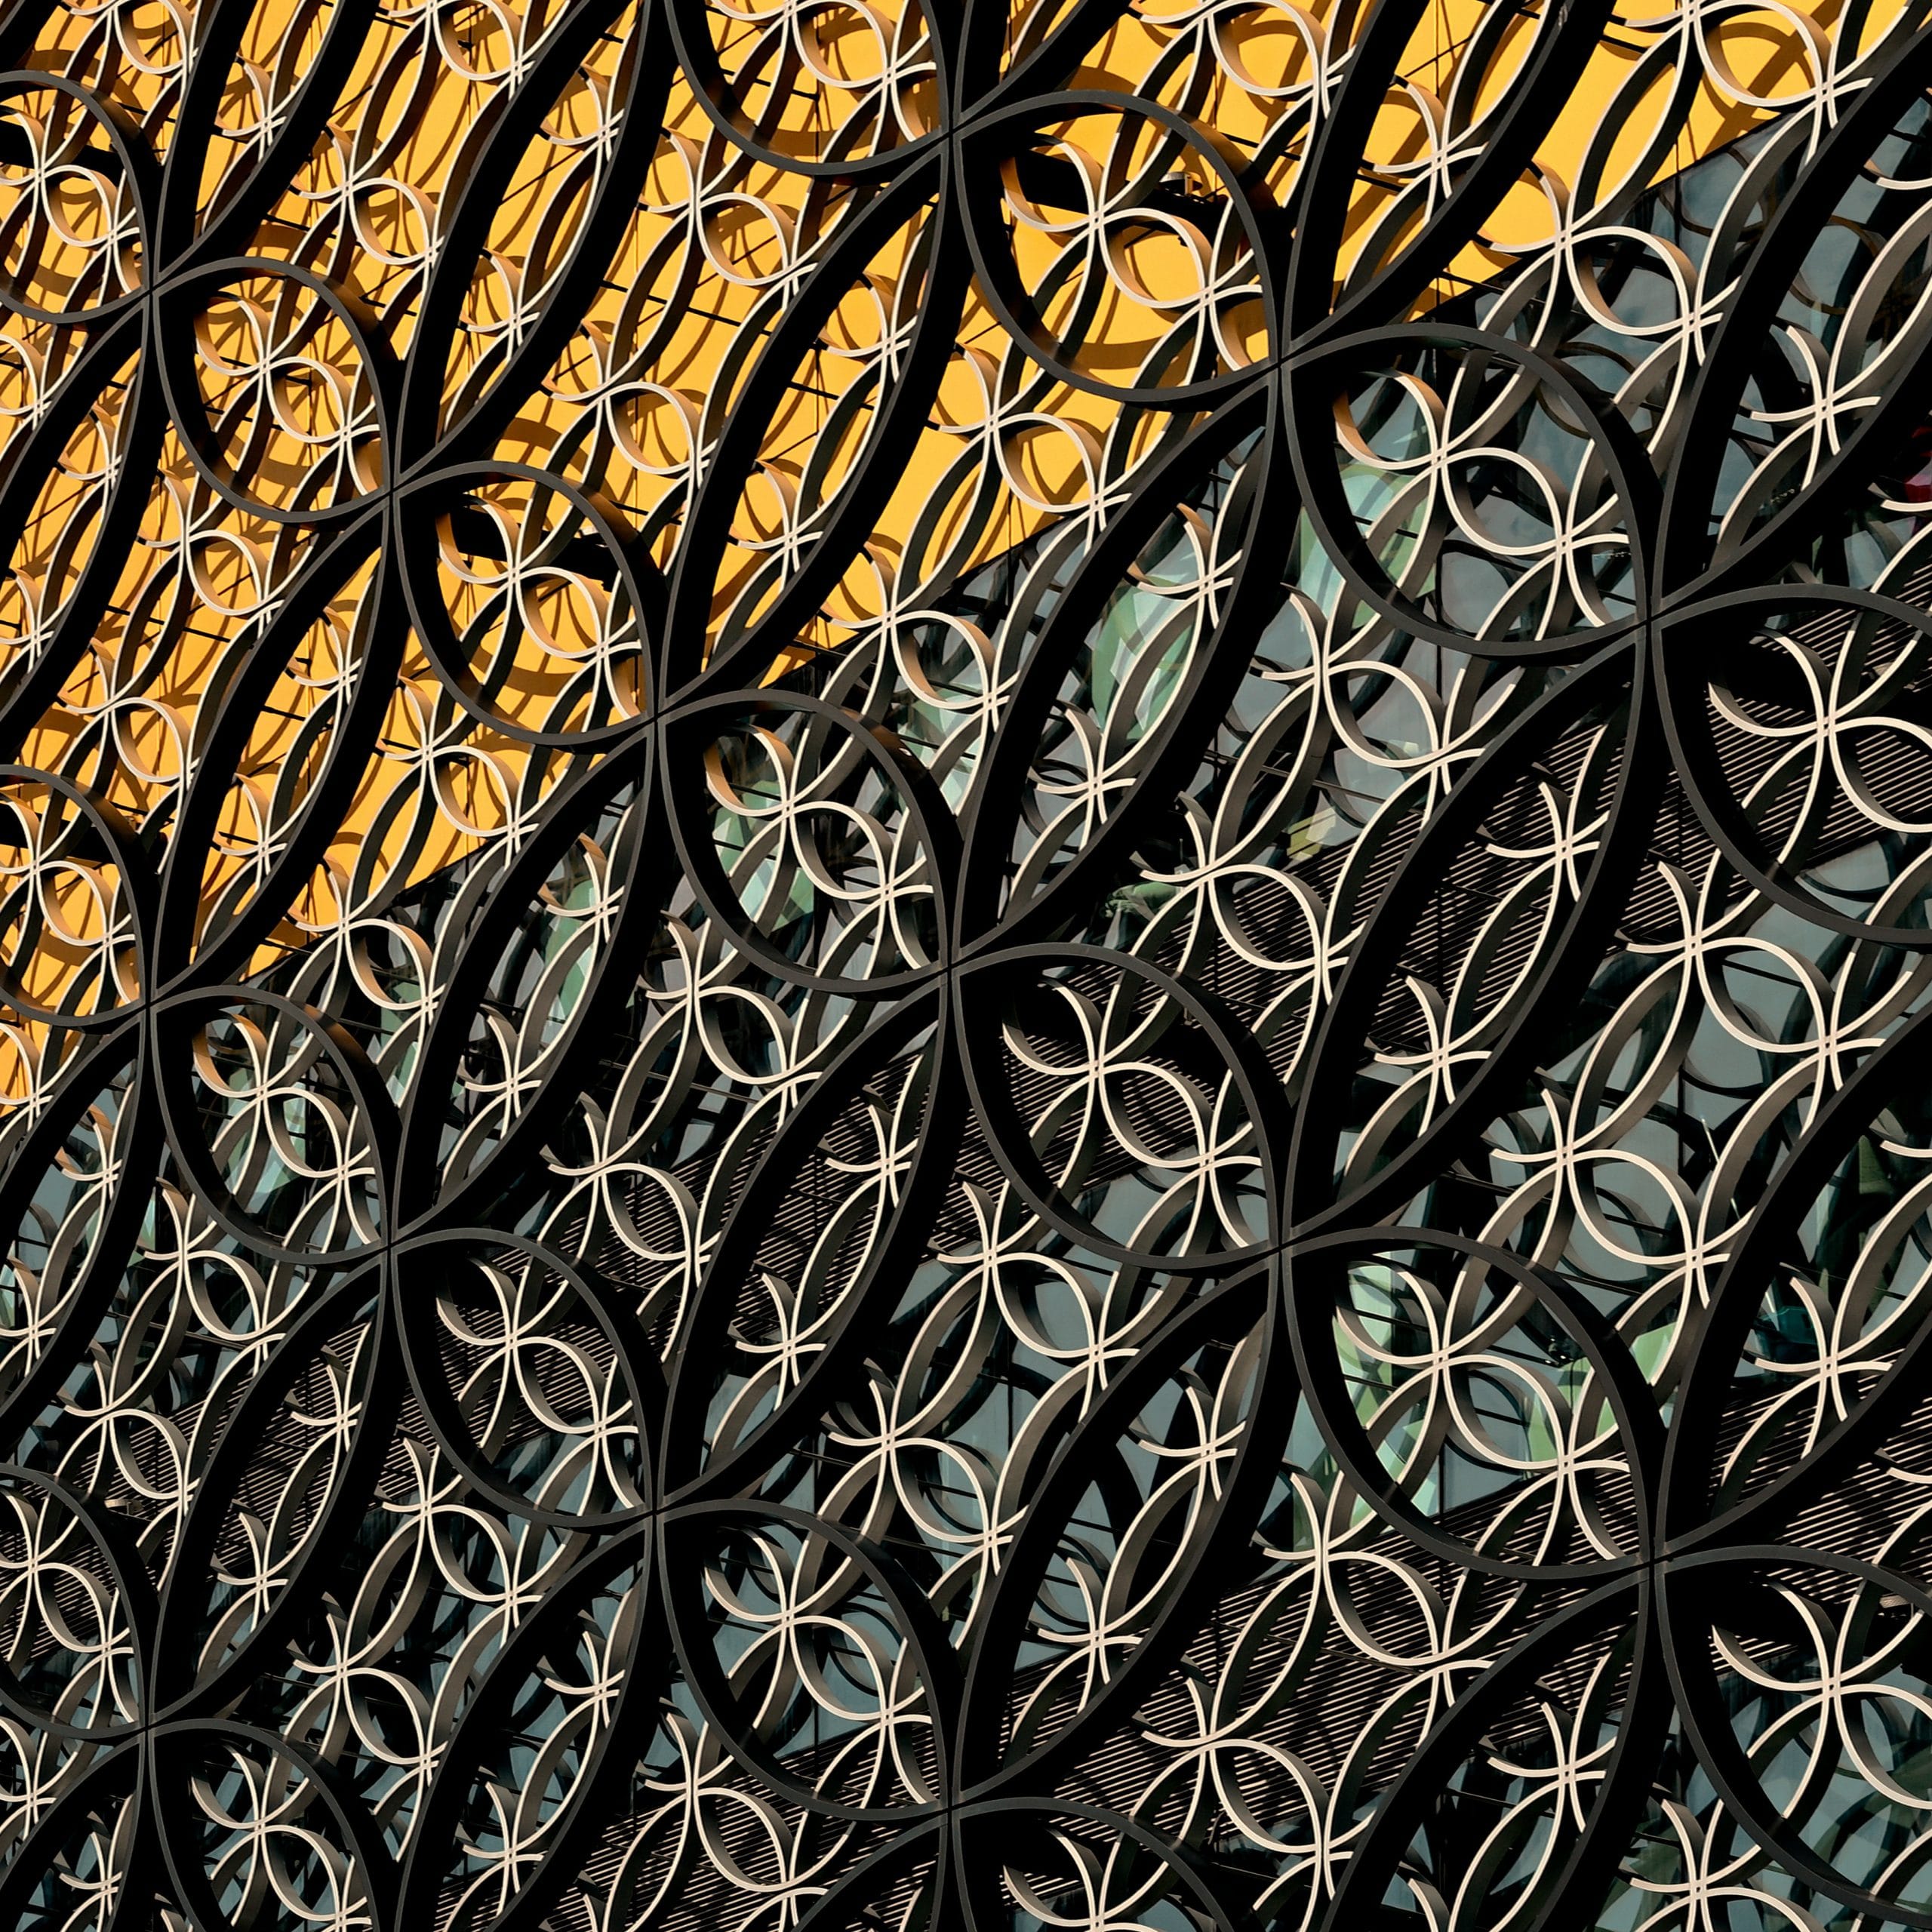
x=965, y=965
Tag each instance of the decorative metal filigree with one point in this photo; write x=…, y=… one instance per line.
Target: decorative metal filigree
x=966, y=966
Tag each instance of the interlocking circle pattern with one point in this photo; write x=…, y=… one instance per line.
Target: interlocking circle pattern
x=966, y=965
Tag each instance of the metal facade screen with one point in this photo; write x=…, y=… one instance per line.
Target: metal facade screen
x=966, y=967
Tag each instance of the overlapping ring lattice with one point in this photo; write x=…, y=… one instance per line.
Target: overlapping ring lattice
x=965, y=968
